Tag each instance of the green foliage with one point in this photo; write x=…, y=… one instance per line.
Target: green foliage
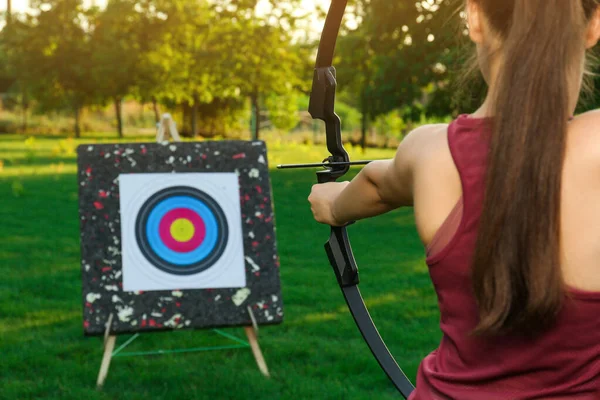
x=220, y=116
x=589, y=99
x=302, y=103
x=115, y=55
x=65, y=147
x=203, y=57
x=349, y=115
x=408, y=58
x=283, y=110
x=31, y=146
x=211, y=62
x=395, y=50
x=261, y=61
x=390, y=125
x=58, y=35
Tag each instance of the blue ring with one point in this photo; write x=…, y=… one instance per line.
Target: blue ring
x=173, y=257
x=141, y=233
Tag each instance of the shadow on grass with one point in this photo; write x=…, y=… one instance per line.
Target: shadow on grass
x=38, y=161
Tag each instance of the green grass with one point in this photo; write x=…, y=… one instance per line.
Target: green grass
x=317, y=353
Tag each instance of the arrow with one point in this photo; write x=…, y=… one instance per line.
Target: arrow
x=323, y=164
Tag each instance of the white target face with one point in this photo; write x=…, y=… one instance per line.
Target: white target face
x=181, y=231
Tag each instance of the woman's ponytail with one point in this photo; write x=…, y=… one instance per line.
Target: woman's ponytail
x=517, y=278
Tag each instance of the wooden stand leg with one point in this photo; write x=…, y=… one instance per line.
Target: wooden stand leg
x=253, y=319
x=108, y=350
x=109, y=346
x=260, y=361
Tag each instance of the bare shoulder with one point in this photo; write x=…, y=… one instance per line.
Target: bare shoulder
x=435, y=180
x=422, y=143
x=586, y=127
x=584, y=137
x=405, y=170
x=425, y=145
x=588, y=118
x=426, y=135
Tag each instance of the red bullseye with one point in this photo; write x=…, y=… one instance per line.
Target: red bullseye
x=166, y=235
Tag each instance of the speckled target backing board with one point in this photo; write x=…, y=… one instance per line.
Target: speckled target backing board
x=99, y=168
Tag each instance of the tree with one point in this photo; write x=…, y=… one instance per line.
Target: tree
x=394, y=52
x=152, y=71
x=185, y=57
x=259, y=56
x=355, y=73
x=116, y=53
x=283, y=110
x=8, y=11
x=11, y=82
x=57, y=48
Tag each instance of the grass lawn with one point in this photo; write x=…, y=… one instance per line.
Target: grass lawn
x=317, y=353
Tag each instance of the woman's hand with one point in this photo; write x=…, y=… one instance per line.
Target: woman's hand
x=322, y=199
x=381, y=186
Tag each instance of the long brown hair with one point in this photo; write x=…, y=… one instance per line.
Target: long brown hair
x=516, y=272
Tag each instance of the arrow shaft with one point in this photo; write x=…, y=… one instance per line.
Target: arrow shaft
x=325, y=164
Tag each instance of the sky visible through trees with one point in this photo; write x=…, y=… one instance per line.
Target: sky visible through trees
x=263, y=5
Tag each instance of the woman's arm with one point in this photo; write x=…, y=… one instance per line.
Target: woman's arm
x=380, y=187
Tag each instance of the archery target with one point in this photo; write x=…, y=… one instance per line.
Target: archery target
x=181, y=231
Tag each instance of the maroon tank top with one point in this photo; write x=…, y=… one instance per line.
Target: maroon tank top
x=563, y=363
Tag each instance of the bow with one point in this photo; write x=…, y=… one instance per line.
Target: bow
x=339, y=251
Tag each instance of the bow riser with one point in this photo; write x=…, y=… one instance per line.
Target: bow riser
x=341, y=258
x=322, y=106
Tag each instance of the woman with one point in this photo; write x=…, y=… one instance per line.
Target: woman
x=506, y=201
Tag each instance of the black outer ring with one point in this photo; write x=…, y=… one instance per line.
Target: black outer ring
x=159, y=262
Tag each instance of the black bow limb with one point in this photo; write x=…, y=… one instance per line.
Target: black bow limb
x=339, y=251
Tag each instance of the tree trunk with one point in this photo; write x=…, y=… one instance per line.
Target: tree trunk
x=364, y=121
x=364, y=125
x=363, y=133
x=185, y=127
x=119, y=115
x=195, y=116
x=24, y=121
x=25, y=107
x=8, y=11
x=77, y=122
x=155, y=108
x=256, y=116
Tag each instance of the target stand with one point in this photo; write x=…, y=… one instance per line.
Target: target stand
x=176, y=236
x=110, y=352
